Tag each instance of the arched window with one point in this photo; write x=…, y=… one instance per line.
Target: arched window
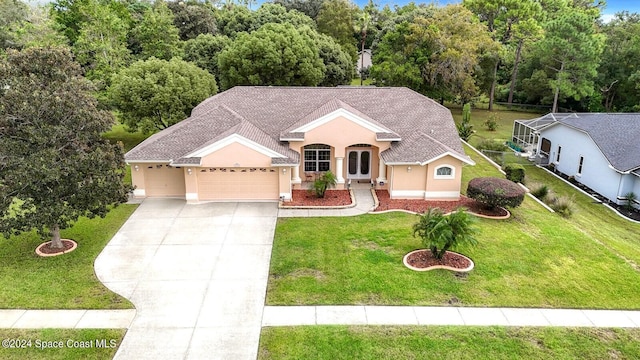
x=317, y=157
x=445, y=172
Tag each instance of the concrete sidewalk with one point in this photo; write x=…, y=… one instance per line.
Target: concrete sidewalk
x=66, y=319
x=462, y=316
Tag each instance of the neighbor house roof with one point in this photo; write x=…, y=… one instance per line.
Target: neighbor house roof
x=616, y=135
x=420, y=129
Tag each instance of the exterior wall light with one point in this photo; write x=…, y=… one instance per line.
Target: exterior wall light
x=284, y=170
x=408, y=168
x=136, y=167
x=189, y=171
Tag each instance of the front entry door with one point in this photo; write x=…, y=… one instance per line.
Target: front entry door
x=359, y=164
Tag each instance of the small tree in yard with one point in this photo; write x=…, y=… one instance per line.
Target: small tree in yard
x=494, y=192
x=324, y=182
x=440, y=233
x=465, y=129
x=55, y=165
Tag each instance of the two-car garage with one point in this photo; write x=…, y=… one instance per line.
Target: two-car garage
x=238, y=184
x=215, y=183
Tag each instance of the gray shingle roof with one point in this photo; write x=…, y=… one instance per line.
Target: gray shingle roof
x=265, y=114
x=617, y=135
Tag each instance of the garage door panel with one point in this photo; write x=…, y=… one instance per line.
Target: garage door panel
x=238, y=184
x=164, y=180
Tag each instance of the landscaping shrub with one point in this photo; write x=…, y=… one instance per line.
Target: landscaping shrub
x=630, y=197
x=540, y=191
x=562, y=205
x=491, y=145
x=324, y=182
x=465, y=129
x=514, y=172
x=492, y=122
x=440, y=233
x=494, y=192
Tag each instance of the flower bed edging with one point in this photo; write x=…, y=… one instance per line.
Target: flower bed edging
x=281, y=204
x=434, y=267
x=40, y=253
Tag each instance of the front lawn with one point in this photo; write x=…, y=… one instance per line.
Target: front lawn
x=534, y=259
x=442, y=342
x=61, y=282
x=74, y=344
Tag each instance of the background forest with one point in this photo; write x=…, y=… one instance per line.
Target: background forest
x=557, y=54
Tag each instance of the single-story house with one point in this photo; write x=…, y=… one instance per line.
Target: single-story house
x=260, y=143
x=599, y=150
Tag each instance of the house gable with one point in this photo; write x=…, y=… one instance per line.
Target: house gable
x=236, y=155
x=235, y=149
x=340, y=113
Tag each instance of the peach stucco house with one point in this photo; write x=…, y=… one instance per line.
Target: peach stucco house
x=260, y=143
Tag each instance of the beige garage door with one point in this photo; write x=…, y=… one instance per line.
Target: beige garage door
x=238, y=184
x=164, y=180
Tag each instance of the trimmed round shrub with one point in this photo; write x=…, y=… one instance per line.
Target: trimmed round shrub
x=514, y=172
x=493, y=192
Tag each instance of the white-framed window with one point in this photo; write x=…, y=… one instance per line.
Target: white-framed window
x=317, y=157
x=580, y=165
x=445, y=172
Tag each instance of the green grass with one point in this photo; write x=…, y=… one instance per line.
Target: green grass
x=505, y=123
x=440, y=342
x=72, y=340
x=365, y=82
x=60, y=282
x=534, y=259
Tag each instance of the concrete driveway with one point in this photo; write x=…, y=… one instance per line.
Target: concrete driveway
x=197, y=275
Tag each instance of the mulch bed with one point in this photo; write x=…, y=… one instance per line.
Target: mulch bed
x=331, y=198
x=425, y=259
x=420, y=206
x=48, y=250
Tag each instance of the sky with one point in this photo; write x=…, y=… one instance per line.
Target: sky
x=613, y=6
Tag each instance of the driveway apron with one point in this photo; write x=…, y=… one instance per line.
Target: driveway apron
x=197, y=275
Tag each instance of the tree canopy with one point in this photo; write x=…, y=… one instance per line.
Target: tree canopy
x=154, y=94
x=55, y=165
x=275, y=54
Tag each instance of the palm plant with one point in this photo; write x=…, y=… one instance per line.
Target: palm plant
x=320, y=186
x=440, y=233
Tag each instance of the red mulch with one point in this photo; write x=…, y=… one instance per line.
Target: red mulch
x=420, y=206
x=46, y=249
x=331, y=198
x=424, y=259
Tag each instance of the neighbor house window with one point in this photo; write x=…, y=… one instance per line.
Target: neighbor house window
x=445, y=172
x=317, y=158
x=580, y=165
x=558, y=156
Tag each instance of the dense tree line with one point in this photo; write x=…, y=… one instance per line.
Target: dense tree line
x=551, y=52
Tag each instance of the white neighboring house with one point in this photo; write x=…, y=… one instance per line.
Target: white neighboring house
x=364, y=60
x=600, y=150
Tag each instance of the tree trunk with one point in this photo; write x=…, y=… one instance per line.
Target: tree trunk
x=492, y=92
x=514, y=74
x=557, y=93
x=56, y=243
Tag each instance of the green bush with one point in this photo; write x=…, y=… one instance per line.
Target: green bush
x=440, y=233
x=491, y=145
x=492, y=122
x=562, y=205
x=514, y=172
x=630, y=197
x=540, y=191
x=493, y=192
x=465, y=129
x=324, y=182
